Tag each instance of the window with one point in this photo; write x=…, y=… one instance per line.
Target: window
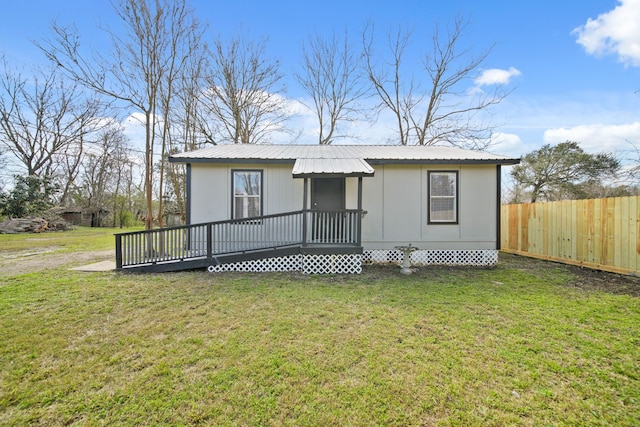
x=247, y=193
x=443, y=197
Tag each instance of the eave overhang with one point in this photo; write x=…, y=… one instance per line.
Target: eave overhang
x=325, y=167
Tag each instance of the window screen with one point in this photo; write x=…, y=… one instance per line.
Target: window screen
x=443, y=197
x=247, y=194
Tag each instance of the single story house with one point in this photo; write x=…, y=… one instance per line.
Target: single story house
x=330, y=208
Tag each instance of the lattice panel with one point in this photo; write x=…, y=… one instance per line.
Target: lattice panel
x=382, y=256
x=288, y=263
x=308, y=264
x=332, y=264
x=442, y=257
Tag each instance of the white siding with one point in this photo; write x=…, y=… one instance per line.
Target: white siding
x=395, y=200
x=210, y=193
x=211, y=190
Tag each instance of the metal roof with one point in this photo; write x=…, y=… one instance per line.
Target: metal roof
x=327, y=167
x=370, y=153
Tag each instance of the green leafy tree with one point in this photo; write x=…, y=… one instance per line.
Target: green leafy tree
x=562, y=171
x=30, y=196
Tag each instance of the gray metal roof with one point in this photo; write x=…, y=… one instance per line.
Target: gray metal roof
x=373, y=154
x=343, y=167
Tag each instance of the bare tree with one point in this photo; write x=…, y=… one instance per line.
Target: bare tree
x=390, y=89
x=331, y=76
x=189, y=128
x=242, y=95
x=444, y=112
x=44, y=122
x=157, y=36
x=183, y=64
x=105, y=162
x=632, y=171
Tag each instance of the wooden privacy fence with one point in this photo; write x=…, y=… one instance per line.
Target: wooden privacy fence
x=595, y=233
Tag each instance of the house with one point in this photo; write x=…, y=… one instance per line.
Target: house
x=329, y=208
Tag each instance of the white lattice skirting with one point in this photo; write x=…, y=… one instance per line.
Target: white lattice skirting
x=307, y=264
x=352, y=263
x=484, y=258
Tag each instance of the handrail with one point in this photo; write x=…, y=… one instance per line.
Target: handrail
x=208, y=240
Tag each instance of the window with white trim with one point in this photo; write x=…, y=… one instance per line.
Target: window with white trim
x=443, y=197
x=247, y=193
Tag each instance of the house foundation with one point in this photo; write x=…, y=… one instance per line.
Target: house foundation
x=352, y=263
x=304, y=263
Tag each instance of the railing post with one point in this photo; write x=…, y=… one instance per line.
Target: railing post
x=209, y=241
x=359, y=214
x=118, y=251
x=304, y=227
x=304, y=213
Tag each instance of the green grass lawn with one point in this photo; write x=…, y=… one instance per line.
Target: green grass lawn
x=446, y=346
x=80, y=239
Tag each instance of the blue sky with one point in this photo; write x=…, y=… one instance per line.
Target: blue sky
x=575, y=65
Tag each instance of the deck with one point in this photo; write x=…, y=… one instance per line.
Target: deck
x=202, y=245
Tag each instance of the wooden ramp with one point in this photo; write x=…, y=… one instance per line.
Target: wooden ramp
x=223, y=242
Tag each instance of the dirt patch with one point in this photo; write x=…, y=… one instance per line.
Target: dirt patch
x=580, y=277
x=45, y=258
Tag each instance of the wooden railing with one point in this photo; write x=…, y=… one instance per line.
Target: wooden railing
x=210, y=240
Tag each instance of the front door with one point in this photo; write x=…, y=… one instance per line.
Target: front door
x=327, y=194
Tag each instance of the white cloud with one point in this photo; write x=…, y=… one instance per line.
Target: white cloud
x=496, y=76
x=614, y=32
x=597, y=138
x=507, y=144
x=134, y=130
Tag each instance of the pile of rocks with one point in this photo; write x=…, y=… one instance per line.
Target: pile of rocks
x=33, y=225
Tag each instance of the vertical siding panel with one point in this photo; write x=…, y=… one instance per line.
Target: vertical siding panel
x=558, y=228
x=563, y=232
x=604, y=231
x=504, y=230
x=556, y=231
x=524, y=226
x=610, y=260
x=546, y=220
x=532, y=228
x=624, y=233
x=591, y=231
x=541, y=238
x=581, y=241
x=573, y=227
x=513, y=227
x=528, y=229
x=616, y=229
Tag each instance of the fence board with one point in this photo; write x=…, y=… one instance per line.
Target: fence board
x=596, y=233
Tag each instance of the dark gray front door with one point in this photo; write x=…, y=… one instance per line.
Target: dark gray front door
x=327, y=194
